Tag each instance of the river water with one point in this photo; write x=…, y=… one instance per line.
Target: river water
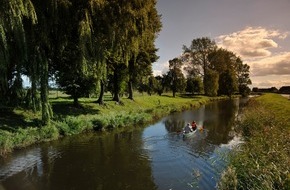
x=154, y=157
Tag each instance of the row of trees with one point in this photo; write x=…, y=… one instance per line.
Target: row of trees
x=203, y=67
x=83, y=45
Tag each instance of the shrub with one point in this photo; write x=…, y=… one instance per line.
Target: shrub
x=73, y=125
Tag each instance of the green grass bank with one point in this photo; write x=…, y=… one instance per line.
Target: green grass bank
x=20, y=128
x=263, y=160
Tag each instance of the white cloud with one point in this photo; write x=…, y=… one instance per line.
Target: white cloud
x=274, y=65
x=271, y=81
x=256, y=46
x=160, y=68
x=251, y=42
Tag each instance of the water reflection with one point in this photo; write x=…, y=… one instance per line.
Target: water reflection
x=157, y=157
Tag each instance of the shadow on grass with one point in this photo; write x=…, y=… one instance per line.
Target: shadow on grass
x=11, y=121
x=191, y=96
x=68, y=109
x=166, y=95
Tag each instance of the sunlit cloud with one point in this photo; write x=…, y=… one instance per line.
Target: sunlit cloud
x=259, y=48
x=271, y=81
x=251, y=42
x=274, y=65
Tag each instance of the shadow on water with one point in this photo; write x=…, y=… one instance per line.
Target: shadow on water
x=156, y=157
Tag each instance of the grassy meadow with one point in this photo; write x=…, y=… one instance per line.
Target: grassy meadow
x=262, y=162
x=20, y=128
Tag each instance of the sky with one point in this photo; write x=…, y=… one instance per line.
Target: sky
x=258, y=31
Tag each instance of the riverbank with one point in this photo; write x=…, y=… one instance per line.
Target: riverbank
x=263, y=161
x=20, y=128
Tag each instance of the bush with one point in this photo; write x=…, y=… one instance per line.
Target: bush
x=73, y=125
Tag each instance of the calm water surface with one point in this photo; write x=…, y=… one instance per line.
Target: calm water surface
x=155, y=157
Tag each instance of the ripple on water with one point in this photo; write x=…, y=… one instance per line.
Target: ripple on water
x=180, y=163
x=24, y=162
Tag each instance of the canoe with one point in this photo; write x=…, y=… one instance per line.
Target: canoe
x=189, y=134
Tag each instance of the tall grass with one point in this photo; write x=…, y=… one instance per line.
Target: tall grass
x=263, y=161
x=24, y=137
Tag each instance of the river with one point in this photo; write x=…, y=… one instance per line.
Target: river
x=154, y=157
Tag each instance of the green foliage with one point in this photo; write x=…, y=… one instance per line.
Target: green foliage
x=262, y=162
x=175, y=77
x=73, y=125
x=74, y=42
x=243, y=73
x=24, y=137
x=228, y=180
x=227, y=83
x=199, y=50
x=203, y=58
x=211, y=84
x=6, y=142
x=193, y=85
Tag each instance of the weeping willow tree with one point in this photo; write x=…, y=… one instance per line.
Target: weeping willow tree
x=82, y=60
x=13, y=51
x=127, y=24
x=148, y=25
x=97, y=40
x=79, y=42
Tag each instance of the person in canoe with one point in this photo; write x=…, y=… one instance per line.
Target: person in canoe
x=187, y=128
x=193, y=125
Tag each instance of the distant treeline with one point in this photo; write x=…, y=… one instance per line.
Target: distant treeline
x=282, y=90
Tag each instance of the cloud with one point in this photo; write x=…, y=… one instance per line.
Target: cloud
x=251, y=42
x=274, y=65
x=258, y=47
x=160, y=68
x=271, y=81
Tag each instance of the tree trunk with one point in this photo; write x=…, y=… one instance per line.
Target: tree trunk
x=116, y=97
x=130, y=89
x=101, y=96
x=76, y=102
x=131, y=68
x=33, y=93
x=46, y=110
x=116, y=88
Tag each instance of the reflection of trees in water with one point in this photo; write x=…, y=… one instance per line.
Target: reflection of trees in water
x=220, y=128
x=113, y=161
x=174, y=124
